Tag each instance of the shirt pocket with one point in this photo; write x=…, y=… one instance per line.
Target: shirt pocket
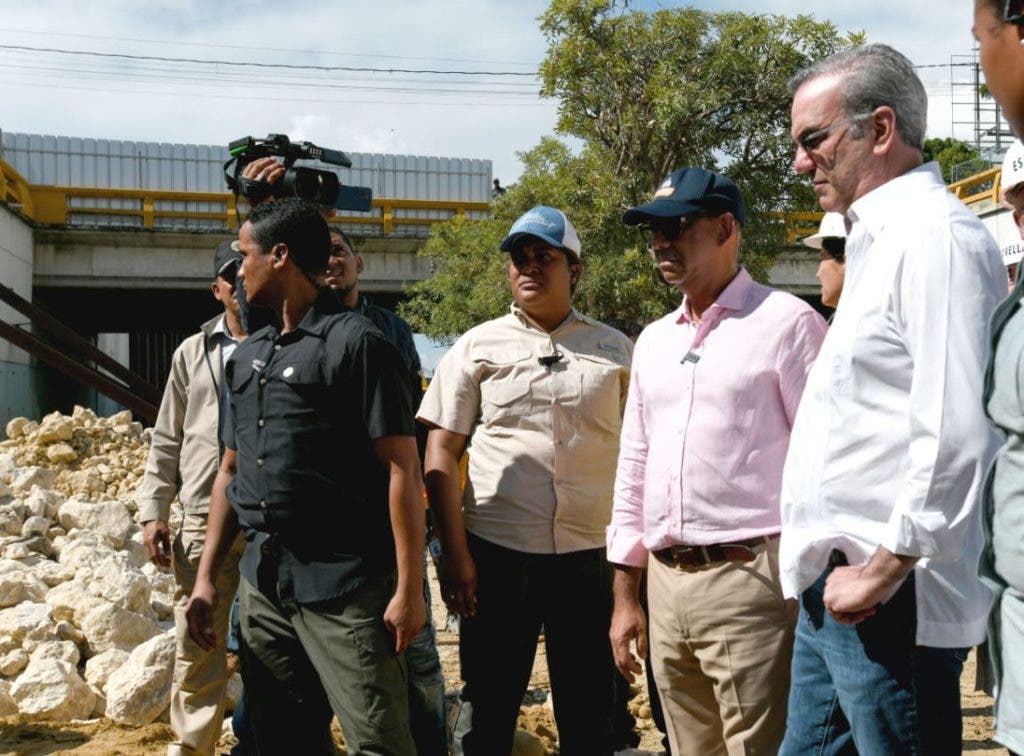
x=298, y=389
x=599, y=398
x=505, y=386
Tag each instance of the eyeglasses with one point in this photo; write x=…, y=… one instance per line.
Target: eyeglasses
x=669, y=229
x=810, y=141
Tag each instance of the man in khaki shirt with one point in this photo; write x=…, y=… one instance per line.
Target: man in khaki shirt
x=537, y=397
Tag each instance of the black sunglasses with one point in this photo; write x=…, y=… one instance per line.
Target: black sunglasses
x=671, y=228
x=1012, y=13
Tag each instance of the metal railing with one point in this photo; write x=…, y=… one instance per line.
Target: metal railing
x=54, y=205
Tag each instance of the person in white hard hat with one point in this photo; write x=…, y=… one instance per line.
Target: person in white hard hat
x=1011, y=195
x=1004, y=495
x=830, y=241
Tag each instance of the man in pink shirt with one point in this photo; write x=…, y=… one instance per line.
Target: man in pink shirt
x=713, y=394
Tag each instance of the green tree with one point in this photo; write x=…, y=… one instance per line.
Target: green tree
x=642, y=93
x=949, y=152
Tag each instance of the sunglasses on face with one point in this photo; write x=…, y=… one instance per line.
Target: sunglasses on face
x=1013, y=13
x=522, y=257
x=670, y=229
x=810, y=141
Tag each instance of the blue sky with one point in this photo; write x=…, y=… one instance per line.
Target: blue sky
x=116, y=98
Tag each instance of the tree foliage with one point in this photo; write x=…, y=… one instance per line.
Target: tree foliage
x=949, y=152
x=642, y=94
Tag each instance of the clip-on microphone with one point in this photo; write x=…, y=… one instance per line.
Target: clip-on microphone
x=550, y=359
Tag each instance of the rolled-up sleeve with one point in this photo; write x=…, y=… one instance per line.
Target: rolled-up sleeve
x=947, y=290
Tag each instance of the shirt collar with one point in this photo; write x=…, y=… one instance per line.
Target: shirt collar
x=314, y=322
x=527, y=320
x=876, y=207
x=732, y=297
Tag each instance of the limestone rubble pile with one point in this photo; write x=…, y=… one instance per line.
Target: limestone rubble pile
x=86, y=625
x=85, y=456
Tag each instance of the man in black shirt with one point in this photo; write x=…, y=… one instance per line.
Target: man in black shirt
x=320, y=472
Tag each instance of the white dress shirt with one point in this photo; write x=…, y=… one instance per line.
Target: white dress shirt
x=890, y=444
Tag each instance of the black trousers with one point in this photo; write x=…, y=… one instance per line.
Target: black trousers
x=569, y=595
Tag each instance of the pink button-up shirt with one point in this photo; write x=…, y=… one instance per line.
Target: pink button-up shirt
x=707, y=421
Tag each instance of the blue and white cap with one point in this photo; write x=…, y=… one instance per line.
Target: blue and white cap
x=545, y=223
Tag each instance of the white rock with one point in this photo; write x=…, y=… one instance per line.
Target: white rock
x=140, y=691
x=54, y=532
x=110, y=626
x=16, y=427
x=100, y=667
x=67, y=631
x=35, y=526
x=8, y=706
x=17, y=550
x=71, y=602
x=26, y=620
x=51, y=689
x=43, y=503
x=63, y=650
x=7, y=465
x=55, y=427
x=14, y=662
x=12, y=589
x=26, y=477
x=121, y=584
x=53, y=573
x=107, y=518
x=83, y=548
x=61, y=453
x=100, y=707
x=10, y=521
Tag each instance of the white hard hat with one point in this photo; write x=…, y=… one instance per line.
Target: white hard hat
x=833, y=224
x=1013, y=169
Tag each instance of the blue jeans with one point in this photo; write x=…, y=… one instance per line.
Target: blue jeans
x=427, y=718
x=869, y=688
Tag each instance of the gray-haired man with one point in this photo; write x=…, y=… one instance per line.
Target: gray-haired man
x=880, y=526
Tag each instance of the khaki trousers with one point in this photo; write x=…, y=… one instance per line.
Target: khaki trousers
x=200, y=677
x=721, y=640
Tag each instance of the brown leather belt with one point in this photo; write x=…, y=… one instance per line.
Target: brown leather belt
x=698, y=556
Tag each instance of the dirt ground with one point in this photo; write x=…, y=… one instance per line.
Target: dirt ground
x=103, y=738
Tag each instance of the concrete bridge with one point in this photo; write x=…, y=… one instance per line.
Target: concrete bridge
x=130, y=266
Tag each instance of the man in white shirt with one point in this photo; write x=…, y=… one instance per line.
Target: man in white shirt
x=880, y=521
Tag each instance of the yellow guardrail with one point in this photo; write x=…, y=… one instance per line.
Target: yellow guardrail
x=52, y=205
x=979, y=187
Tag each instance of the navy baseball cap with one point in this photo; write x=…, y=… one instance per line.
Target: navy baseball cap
x=690, y=190
x=226, y=254
x=547, y=224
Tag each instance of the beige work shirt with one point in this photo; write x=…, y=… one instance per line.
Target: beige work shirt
x=543, y=441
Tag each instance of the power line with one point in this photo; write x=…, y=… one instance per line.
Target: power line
x=289, y=66
x=248, y=97
x=48, y=33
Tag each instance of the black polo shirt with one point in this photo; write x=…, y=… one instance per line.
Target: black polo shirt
x=310, y=494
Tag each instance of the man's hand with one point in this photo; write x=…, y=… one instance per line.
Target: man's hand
x=458, y=583
x=266, y=169
x=852, y=594
x=628, y=624
x=404, y=617
x=199, y=614
x=157, y=538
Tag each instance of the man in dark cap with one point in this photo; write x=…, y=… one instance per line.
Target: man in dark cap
x=182, y=463
x=713, y=394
